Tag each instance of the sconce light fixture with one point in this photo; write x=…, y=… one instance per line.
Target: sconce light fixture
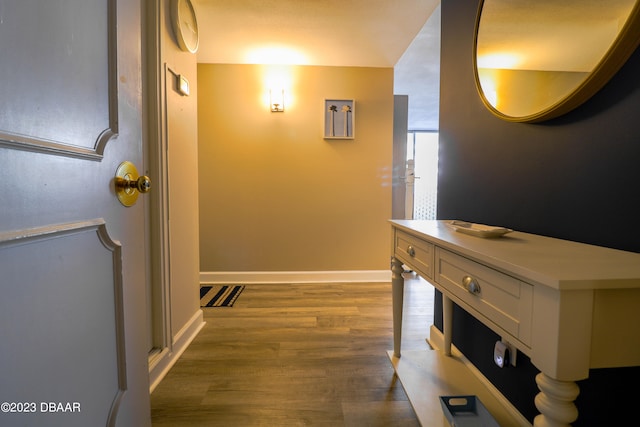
x=276, y=100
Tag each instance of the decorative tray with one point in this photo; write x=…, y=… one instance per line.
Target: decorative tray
x=479, y=230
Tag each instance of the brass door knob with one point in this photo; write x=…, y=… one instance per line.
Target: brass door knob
x=129, y=184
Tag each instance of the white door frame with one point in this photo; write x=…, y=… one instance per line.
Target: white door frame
x=158, y=264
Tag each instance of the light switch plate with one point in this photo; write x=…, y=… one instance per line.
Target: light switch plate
x=183, y=85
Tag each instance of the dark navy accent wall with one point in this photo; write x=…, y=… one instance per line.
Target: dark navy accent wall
x=576, y=177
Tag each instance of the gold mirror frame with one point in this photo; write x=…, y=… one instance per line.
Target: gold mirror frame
x=620, y=50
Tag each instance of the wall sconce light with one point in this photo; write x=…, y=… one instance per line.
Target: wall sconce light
x=276, y=100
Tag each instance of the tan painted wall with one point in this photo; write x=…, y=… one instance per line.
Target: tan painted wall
x=275, y=195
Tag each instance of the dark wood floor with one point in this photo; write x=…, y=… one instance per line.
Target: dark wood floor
x=296, y=355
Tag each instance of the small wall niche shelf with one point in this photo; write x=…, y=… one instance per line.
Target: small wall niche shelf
x=339, y=118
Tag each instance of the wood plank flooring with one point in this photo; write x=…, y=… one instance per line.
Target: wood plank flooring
x=297, y=355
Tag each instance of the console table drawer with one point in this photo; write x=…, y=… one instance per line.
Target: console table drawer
x=415, y=252
x=502, y=299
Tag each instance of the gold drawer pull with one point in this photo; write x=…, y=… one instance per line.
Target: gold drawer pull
x=471, y=285
x=411, y=251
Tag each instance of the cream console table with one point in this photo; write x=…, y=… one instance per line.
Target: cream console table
x=569, y=306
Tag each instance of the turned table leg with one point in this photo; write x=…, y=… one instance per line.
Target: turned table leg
x=397, y=295
x=555, y=402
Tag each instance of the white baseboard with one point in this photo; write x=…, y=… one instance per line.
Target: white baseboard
x=161, y=362
x=436, y=341
x=244, y=277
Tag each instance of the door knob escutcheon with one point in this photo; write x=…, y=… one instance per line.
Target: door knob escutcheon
x=129, y=184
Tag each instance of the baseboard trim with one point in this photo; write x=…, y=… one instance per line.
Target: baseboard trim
x=161, y=362
x=244, y=277
x=436, y=341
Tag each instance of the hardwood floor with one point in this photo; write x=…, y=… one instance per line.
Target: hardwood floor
x=297, y=355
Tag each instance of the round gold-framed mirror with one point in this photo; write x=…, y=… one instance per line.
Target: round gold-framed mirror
x=537, y=60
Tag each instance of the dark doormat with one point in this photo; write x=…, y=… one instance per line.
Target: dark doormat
x=219, y=295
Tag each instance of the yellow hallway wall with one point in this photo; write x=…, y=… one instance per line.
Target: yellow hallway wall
x=274, y=194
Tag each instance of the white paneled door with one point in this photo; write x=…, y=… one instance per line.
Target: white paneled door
x=73, y=347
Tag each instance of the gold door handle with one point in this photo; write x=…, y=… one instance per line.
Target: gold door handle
x=129, y=184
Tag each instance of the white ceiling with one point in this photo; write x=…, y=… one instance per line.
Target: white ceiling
x=417, y=74
x=404, y=34
x=364, y=33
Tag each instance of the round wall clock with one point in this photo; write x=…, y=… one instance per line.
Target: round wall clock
x=185, y=25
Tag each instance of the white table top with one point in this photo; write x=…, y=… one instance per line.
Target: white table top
x=560, y=264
